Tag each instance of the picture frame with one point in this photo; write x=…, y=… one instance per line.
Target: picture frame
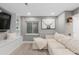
x=48, y=23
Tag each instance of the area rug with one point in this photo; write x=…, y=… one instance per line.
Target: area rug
x=26, y=49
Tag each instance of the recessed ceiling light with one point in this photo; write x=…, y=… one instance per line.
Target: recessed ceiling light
x=26, y=3
x=28, y=13
x=52, y=13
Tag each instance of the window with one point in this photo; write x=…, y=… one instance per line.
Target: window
x=32, y=27
x=29, y=27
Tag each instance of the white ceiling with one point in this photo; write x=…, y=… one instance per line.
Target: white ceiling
x=39, y=9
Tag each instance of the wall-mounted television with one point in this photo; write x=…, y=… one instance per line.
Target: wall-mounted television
x=5, y=19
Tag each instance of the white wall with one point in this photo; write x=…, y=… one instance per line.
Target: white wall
x=61, y=23
x=76, y=26
x=13, y=23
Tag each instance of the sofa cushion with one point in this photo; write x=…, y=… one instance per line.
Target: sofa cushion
x=73, y=45
x=62, y=38
x=58, y=36
x=62, y=52
x=53, y=44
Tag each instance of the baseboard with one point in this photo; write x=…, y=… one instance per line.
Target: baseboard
x=27, y=41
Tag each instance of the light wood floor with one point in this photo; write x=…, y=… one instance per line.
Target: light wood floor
x=26, y=49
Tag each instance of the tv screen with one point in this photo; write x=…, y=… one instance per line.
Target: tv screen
x=4, y=21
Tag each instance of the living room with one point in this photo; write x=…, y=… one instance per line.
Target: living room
x=39, y=29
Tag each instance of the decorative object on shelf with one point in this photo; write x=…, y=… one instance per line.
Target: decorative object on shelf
x=48, y=23
x=69, y=19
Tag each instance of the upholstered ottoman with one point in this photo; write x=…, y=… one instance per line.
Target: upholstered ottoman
x=39, y=43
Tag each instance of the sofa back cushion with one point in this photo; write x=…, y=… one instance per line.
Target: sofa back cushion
x=51, y=40
x=62, y=38
x=53, y=44
x=58, y=36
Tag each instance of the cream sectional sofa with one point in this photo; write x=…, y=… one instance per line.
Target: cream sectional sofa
x=59, y=44
x=55, y=45
x=56, y=48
